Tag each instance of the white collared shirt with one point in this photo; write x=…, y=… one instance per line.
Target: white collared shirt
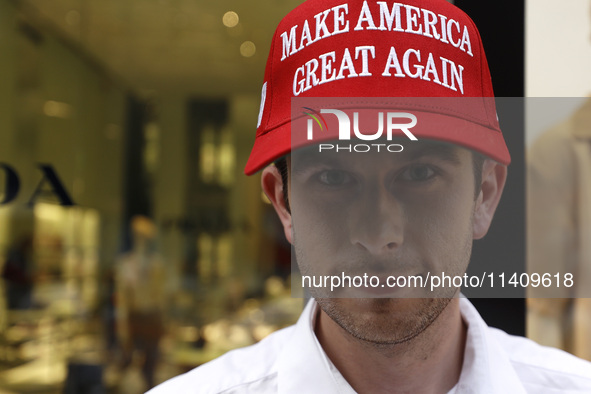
x=291, y=360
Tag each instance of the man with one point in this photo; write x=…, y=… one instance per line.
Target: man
x=410, y=208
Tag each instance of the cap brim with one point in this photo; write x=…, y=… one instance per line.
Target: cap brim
x=432, y=126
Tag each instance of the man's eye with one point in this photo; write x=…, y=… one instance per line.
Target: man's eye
x=417, y=173
x=334, y=178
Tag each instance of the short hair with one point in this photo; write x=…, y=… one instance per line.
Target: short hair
x=477, y=163
x=281, y=165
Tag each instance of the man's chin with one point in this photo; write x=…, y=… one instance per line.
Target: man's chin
x=386, y=321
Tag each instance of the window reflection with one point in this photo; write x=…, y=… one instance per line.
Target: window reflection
x=167, y=256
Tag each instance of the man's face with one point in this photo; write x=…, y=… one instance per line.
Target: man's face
x=406, y=213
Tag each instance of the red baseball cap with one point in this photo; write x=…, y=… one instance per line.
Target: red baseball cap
x=378, y=49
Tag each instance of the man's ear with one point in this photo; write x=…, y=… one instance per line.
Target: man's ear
x=494, y=176
x=273, y=187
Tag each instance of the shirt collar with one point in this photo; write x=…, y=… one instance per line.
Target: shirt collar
x=487, y=368
x=303, y=367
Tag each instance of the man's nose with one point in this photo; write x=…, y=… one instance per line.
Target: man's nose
x=377, y=222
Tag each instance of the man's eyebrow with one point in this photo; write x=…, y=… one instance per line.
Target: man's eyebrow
x=443, y=152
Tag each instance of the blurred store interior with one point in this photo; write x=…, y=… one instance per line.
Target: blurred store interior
x=132, y=247
x=125, y=126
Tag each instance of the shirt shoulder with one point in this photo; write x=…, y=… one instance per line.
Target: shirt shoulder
x=250, y=369
x=545, y=369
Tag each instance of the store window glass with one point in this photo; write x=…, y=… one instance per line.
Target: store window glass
x=558, y=139
x=132, y=247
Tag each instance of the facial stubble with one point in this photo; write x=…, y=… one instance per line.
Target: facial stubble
x=386, y=322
